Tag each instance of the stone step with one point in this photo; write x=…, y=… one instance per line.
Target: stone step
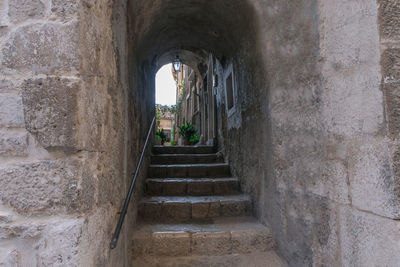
x=255, y=259
x=222, y=236
x=186, y=158
x=189, y=170
x=183, y=150
x=185, y=208
x=191, y=186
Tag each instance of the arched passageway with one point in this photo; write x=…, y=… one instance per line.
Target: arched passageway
x=313, y=137
x=291, y=137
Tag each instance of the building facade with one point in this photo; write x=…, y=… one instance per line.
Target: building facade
x=196, y=100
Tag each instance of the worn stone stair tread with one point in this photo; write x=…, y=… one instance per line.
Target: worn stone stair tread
x=186, y=155
x=200, y=149
x=220, y=236
x=189, y=170
x=216, y=225
x=186, y=158
x=184, y=208
x=255, y=259
x=192, y=179
x=188, y=165
x=196, y=199
x=191, y=186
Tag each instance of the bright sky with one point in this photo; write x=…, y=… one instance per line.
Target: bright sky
x=165, y=86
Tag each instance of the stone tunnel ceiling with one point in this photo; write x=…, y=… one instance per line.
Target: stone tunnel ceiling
x=201, y=26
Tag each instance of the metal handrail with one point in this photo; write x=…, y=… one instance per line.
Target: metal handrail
x=114, y=239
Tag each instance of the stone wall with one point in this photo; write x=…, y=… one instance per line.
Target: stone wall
x=314, y=141
x=69, y=139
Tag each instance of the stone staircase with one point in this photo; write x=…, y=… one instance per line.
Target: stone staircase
x=193, y=214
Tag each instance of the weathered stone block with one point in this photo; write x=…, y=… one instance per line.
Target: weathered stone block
x=9, y=257
x=251, y=240
x=235, y=208
x=200, y=210
x=392, y=90
x=142, y=244
x=176, y=171
x=352, y=102
x=50, y=107
x=11, y=111
x=391, y=86
x=361, y=111
x=171, y=244
x=13, y=143
x=211, y=243
x=157, y=172
x=56, y=240
x=21, y=10
x=368, y=240
x=154, y=187
x=214, y=209
x=391, y=64
x=200, y=188
x=42, y=48
x=65, y=248
x=171, y=189
x=395, y=159
x=225, y=187
x=150, y=210
x=175, y=210
x=21, y=230
x=374, y=187
x=196, y=171
x=64, y=8
x=7, y=86
x=343, y=48
x=389, y=19
x=332, y=183
x=47, y=187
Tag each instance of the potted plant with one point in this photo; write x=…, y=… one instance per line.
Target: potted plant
x=189, y=133
x=162, y=136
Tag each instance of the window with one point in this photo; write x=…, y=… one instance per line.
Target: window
x=229, y=91
x=188, y=113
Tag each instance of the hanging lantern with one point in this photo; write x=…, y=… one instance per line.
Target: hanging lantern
x=177, y=64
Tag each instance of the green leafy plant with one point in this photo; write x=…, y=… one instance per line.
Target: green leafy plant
x=189, y=133
x=160, y=134
x=194, y=139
